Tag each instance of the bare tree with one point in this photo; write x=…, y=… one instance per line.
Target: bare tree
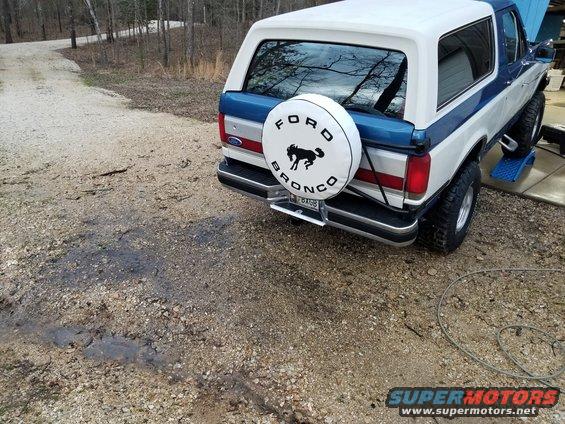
x=72, y=25
x=213, y=29
x=109, y=22
x=7, y=21
x=163, y=33
x=16, y=16
x=40, y=19
x=189, y=32
x=103, y=56
x=140, y=41
x=58, y=10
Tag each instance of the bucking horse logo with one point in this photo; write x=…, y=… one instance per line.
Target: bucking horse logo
x=302, y=154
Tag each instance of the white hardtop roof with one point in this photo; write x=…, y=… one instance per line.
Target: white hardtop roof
x=394, y=17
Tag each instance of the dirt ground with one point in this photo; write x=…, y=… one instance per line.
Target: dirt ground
x=152, y=88
x=134, y=288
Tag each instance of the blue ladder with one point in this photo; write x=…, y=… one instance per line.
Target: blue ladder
x=510, y=169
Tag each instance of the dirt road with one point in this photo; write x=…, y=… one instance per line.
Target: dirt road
x=133, y=288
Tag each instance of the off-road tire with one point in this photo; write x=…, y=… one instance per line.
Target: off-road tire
x=438, y=229
x=523, y=130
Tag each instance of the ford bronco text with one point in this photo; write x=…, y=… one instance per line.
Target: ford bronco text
x=372, y=115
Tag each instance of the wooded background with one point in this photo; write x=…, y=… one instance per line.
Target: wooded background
x=211, y=31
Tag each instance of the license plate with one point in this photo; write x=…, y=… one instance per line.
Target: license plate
x=307, y=203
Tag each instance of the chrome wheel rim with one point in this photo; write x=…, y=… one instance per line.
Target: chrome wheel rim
x=465, y=210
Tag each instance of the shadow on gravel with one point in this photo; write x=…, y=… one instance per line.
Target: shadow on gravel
x=212, y=231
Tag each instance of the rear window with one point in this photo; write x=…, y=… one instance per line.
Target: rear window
x=362, y=79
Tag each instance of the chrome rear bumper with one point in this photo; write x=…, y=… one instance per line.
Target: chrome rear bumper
x=346, y=211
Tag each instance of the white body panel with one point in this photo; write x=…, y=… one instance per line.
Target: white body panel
x=411, y=26
x=415, y=28
x=448, y=156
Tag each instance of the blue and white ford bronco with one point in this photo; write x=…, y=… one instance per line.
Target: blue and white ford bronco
x=373, y=115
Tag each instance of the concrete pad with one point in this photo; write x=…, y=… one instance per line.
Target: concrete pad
x=554, y=107
x=550, y=147
x=551, y=190
x=545, y=180
x=546, y=164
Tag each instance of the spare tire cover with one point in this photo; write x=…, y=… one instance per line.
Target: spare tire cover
x=312, y=146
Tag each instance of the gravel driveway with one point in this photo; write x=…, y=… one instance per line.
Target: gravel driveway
x=133, y=288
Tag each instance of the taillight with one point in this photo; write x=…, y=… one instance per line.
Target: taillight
x=418, y=174
x=386, y=180
x=222, y=125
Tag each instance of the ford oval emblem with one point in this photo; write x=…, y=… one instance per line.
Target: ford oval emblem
x=234, y=141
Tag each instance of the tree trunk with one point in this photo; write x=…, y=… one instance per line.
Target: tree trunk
x=40, y=19
x=109, y=22
x=168, y=13
x=103, y=56
x=116, y=35
x=16, y=15
x=138, y=24
x=190, y=32
x=146, y=18
x=72, y=26
x=163, y=33
x=158, y=28
x=6, y=15
x=58, y=9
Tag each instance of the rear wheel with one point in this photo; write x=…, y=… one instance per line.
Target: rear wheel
x=444, y=228
x=526, y=132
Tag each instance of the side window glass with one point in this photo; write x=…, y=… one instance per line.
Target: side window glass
x=511, y=39
x=523, y=44
x=465, y=57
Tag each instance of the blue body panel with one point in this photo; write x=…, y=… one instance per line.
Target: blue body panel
x=252, y=107
x=380, y=129
x=444, y=127
x=531, y=12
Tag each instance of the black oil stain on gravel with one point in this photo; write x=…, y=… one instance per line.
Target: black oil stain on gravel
x=123, y=350
x=104, y=348
x=65, y=337
x=103, y=257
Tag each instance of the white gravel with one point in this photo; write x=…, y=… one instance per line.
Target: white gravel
x=249, y=318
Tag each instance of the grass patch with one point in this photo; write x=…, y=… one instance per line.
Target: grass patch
x=105, y=79
x=135, y=71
